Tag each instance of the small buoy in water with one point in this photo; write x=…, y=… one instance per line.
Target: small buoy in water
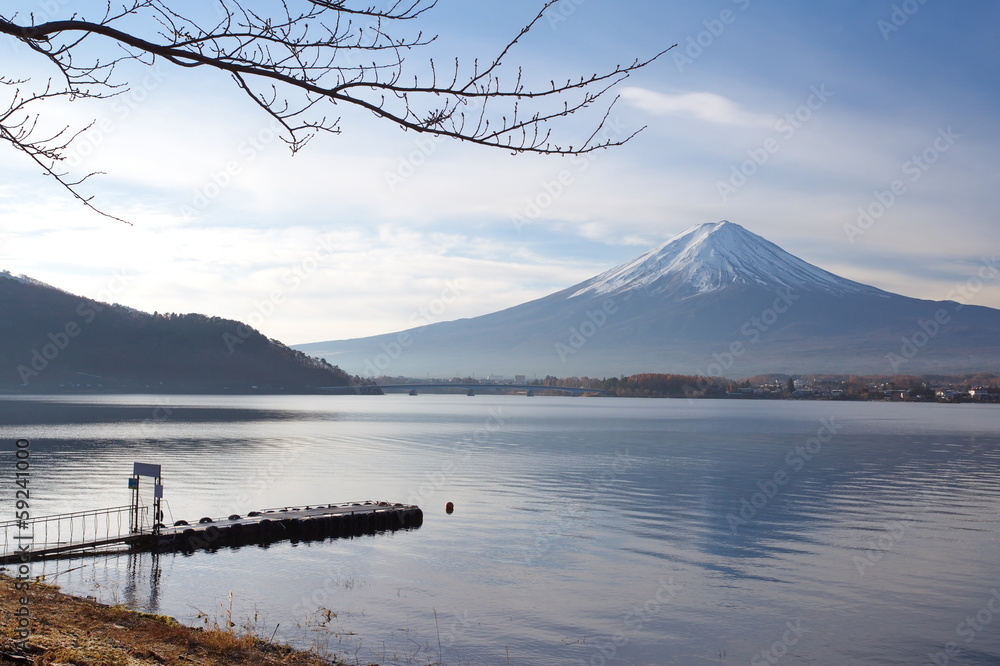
x=449, y=508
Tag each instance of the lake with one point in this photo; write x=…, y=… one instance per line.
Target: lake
x=585, y=531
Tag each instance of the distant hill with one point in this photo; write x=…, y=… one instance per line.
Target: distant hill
x=715, y=300
x=54, y=341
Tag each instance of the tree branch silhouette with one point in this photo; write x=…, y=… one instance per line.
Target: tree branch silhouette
x=296, y=62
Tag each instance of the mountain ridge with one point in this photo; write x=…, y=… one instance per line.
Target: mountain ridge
x=682, y=305
x=52, y=341
x=712, y=255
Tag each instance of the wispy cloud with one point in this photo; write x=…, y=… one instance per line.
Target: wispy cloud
x=704, y=106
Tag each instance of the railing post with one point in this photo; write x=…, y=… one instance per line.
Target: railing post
x=134, y=507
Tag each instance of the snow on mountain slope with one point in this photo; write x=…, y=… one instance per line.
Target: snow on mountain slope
x=680, y=308
x=712, y=256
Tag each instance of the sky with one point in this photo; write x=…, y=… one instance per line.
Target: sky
x=860, y=136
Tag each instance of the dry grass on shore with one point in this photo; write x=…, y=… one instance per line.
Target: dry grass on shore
x=70, y=630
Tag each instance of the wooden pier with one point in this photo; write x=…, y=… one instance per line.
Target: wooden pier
x=137, y=527
x=306, y=523
x=309, y=523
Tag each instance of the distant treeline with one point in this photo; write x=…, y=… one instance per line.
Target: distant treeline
x=862, y=387
x=649, y=385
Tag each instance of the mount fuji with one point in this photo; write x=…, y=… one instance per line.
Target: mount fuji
x=714, y=300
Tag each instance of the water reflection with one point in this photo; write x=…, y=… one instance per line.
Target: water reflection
x=54, y=411
x=141, y=587
x=568, y=516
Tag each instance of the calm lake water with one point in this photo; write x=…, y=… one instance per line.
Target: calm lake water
x=586, y=530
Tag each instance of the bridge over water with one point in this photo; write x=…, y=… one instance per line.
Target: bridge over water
x=470, y=388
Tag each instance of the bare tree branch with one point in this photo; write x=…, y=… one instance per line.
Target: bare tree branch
x=18, y=125
x=298, y=57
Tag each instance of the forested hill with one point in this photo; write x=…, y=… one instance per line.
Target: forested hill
x=52, y=341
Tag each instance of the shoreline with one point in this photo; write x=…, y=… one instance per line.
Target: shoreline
x=67, y=629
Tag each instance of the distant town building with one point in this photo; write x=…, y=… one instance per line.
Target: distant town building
x=981, y=393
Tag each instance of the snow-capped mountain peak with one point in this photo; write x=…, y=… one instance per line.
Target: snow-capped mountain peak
x=709, y=257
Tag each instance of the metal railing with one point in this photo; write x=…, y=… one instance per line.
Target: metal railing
x=69, y=531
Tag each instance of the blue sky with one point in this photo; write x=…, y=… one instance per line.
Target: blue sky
x=789, y=118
